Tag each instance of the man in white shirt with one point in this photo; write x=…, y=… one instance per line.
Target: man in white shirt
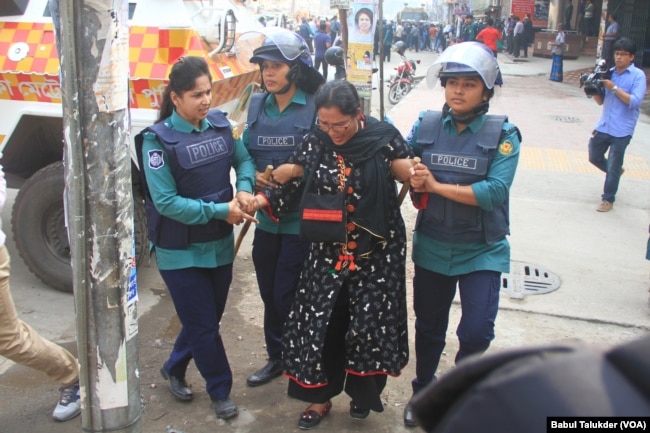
x=398, y=32
x=518, y=34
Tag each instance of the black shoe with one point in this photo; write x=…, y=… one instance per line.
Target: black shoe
x=409, y=416
x=358, y=412
x=177, y=386
x=225, y=409
x=266, y=374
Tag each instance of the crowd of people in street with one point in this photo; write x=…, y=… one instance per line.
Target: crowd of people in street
x=513, y=34
x=318, y=178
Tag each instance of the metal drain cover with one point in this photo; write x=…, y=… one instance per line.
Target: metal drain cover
x=527, y=279
x=566, y=119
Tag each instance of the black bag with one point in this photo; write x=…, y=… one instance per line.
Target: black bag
x=322, y=216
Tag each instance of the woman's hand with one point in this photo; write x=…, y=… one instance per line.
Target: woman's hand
x=285, y=172
x=236, y=214
x=422, y=180
x=262, y=182
x=401, y=168
x=243, y=197
x=255, y=203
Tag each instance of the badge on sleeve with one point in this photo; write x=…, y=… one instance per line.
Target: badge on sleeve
x=156, y=160
x=505, y=148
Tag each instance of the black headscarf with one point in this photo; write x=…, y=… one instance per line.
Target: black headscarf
x=363, y=149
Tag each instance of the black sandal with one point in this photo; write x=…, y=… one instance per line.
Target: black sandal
x=310, y=418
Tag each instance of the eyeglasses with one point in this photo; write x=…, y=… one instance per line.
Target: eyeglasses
x=337, y=127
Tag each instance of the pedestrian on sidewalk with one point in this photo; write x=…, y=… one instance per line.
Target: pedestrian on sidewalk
x=190, y=215
x=489, y=36
x=322, y=42
x=347, y=330
x=335, y=28
x=20, y=343
x=388, y=42
x=518, y=37
x=609, y=37
x=441, y=40
x=461, y=190
x=588, y=20
x=580, y=17
x=510, y=39
x=568, y=15
x=621, y=100
x=557, y=51
x=277, y=120
x=529, y=34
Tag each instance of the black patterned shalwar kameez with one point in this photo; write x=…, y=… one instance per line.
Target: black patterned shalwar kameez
x=368, y=270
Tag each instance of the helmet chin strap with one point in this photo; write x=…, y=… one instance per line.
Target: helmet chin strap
x=480, y=109
x=292, y=77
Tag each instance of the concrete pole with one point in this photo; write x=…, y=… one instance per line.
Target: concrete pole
x=99, y=210
x=382, y=30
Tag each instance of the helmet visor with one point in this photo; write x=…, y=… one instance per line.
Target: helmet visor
x=286, y=45
x=462, y=59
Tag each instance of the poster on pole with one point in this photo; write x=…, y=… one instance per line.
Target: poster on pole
x=362, y=21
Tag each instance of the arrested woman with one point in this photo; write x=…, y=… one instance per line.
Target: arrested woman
x=187, y=156
x=277, y=120
x=461, y=191
x=347, y=328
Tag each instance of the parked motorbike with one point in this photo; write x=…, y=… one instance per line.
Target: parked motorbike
x=402, y=81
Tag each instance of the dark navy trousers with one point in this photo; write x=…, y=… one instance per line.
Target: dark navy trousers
x=199, y=296
x=278, y=260
x=433, y=294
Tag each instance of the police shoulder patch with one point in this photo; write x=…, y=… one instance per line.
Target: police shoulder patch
x=505, y=148
x=156, y=160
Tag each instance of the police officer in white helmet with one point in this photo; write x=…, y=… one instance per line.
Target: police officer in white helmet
x=461, y=190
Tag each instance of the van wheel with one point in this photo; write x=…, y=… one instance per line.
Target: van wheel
x=38, y=226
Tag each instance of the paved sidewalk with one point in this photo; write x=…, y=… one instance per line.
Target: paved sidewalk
x=599, y=258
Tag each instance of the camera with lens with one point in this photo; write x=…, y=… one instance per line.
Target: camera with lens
x=592, y=82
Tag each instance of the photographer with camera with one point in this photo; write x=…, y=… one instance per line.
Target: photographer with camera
x=621, y=96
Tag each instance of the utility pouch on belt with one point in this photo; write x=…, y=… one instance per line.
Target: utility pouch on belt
x=322, y=216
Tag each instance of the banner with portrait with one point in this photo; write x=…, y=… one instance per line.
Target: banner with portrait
x=362, y=19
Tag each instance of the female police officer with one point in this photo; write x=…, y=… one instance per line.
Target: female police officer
x=186, y=158
x=461, y=189
x=277, y=121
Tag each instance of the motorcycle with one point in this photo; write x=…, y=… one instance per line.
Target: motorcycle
x=402, y=81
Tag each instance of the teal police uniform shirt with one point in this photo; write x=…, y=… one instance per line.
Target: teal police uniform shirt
x=290, y=222
x=453, y=259
x=162, y=187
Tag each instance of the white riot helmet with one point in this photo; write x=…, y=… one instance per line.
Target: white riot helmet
x=465, y=59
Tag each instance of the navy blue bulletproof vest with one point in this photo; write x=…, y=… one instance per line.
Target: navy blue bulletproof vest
x=200, y=164
x=463, y=160
x=272, y=141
